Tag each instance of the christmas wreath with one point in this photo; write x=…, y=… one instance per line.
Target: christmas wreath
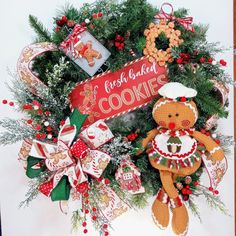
x=87, y=90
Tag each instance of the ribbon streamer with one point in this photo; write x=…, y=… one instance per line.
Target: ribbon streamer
x=186, y=22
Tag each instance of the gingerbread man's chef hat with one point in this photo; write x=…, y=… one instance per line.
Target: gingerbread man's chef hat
x=176, y=90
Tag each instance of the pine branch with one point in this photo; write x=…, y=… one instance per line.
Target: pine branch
x=42, y=33
x=33, y=191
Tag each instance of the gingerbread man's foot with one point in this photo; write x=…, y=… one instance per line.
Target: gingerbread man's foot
x=180, y=217
x=160, y=210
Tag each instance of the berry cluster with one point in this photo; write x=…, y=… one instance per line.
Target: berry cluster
x=64, y=21
x=119, y=42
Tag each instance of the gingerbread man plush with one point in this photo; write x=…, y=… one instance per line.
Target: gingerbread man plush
x=85, y=50
x=175, y=149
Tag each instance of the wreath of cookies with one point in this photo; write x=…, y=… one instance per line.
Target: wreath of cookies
x=152, y=33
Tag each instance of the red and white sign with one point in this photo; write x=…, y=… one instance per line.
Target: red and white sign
x=114, y=93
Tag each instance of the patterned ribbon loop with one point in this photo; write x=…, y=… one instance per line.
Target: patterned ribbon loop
x=74, y=160
x=186, y=22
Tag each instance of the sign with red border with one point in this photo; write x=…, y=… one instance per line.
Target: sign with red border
x=112, y=94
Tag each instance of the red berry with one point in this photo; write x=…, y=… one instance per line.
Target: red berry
x=95, y=15
x=184, y=191
x=223, y=62
x=217, y=141
x=87, y=201
x=179, y=60
x=216, y=192
x=47, y=113
x=84, y=224
x=185, y=197
x=38, y=127
x=189, y=192
x=100, y=14
x=86, y=211
x=11, y=104
x=43, y=136
x=208, y=133
x=29, y=122
x=62, y=122
x=60, y=23
x=202, y=59
x=36, y=103
x=106, y=233
x=38, y=136
x=57, y=29
x=195, y=183
x=117, y=44
x=210, y=189
x=94, y=218
x=94, y=209
x=105, y=226
x=203, y=131
x=107, y=181
x=118, y=37
x=55, y=140
x=40, y=112
x=27, y=106
x=183, y=99
x=86, y=195
x=188, y=187
x=85, y=231
x=64, y=19
x=49, y=128
x=4, y=101
x=82, y=187
x=210, y=60
x=83, y=24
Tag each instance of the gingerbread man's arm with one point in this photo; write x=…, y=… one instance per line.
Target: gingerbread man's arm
x=212, y=147
x=150, y=136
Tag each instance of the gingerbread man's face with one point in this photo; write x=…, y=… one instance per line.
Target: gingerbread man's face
x=175, y=115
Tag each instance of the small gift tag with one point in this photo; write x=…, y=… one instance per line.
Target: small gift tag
x=97, y=134
x=85, y=50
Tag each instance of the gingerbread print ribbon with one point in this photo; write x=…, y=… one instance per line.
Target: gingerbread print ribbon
x=186, y=22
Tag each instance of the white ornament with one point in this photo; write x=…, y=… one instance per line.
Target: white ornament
x=213, y=135
x=36, y=107
x=49, y=136
x=214, y=63
x=46, y=123
x=87, y=21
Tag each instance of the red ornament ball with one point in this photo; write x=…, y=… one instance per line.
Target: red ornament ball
x=60, y=23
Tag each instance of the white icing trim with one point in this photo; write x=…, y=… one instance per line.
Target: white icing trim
x=157, y=223
x=184, y=233
x=214, y=150
x=193, y=109
x=159, y=104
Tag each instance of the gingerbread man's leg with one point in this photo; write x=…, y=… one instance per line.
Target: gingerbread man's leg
x=96, y=54
x=180, y=217
x=160, y=209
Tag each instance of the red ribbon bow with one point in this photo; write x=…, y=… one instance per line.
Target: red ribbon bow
x=185, y=22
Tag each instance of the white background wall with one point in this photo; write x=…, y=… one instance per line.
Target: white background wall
x=43, y=218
